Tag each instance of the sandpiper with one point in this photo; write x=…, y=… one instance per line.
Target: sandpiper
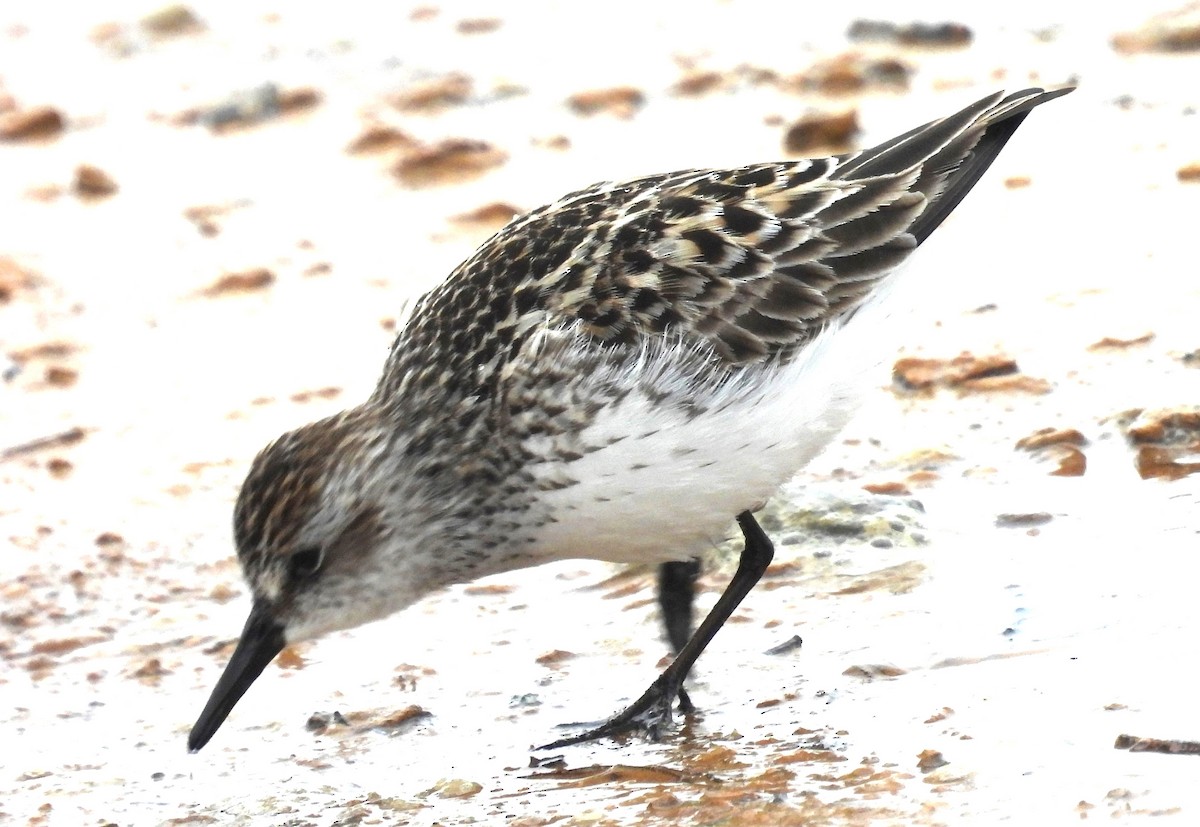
x=613, y=376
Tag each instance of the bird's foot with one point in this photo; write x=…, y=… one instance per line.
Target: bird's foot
x=649, y=714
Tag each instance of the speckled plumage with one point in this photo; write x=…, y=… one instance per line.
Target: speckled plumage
x=614, y=375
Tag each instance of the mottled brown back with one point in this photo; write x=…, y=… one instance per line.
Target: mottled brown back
x=752, y=262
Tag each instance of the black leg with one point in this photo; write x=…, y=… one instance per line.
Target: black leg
x=676, y=599
x=653, y=709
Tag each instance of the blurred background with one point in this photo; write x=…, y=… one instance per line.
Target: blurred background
x=212, y=219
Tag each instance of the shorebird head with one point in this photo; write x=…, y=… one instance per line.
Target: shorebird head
x=315, y=547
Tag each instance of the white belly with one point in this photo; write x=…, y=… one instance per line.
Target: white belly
x=667, y=483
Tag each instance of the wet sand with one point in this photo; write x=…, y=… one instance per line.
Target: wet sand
x=211, y=282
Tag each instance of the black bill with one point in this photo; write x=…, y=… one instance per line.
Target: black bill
x=261, y=641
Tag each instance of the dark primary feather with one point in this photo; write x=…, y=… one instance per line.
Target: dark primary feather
x=967, y=156
x=752, y=261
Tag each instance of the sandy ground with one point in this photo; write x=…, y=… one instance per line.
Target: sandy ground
x=217, y=283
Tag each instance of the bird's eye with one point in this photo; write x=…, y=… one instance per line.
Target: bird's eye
x=305, y=562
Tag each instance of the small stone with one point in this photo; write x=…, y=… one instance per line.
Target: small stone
x=554, y=657
x=61, y=377
x=911, y=373
x=1051, y=436
x=457, y=788
x=622, y=101
x=290, y=101
x=433, y=95
x=397, y=719
x=823, y=133
x=251, y=107
x=792, y=644
x=321, y=721
x=290, y=658
x=1023, y=520
x=695, y=84
x=925, y=35
x=379, y=137
x=93, y=182
x=222, y=593
x=1057, y=446
x=477, y=25
x=319, y=393
x=58, y=467
x=1116, y=343
x=559, y=143
x=150, y=672
x=1071, y=463
x=871, y=671
x=247, y=281
x=966, y=373
x=450, y=161
x=494, y=215
x=893, y=489
x=172, y=21
x=929, y=760
x=1153, y=461
x=31, y=124
x=851, y=73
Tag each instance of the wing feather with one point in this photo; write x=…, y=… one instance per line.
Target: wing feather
x=753, y=261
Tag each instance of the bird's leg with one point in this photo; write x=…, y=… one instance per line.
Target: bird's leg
x=676, y=599
x=653, y=709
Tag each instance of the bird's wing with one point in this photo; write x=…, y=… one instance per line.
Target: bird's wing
x=753, y=261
